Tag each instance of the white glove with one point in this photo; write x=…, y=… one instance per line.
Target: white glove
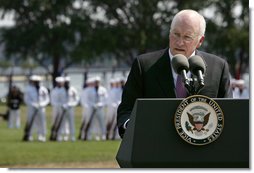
x=98, y=105
x=65, y=106
x=36, y=105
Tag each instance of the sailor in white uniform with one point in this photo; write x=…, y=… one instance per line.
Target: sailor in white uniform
x=70, y=101
x=98, y=97
x=87, y=108
x=56, y=101
x=115, y=95
x=36, y=98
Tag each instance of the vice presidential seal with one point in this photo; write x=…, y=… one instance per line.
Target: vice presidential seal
x=199, y=120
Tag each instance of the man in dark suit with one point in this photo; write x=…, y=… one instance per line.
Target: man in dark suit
x=152, y=76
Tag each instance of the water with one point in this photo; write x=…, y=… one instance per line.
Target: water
x=76, y=80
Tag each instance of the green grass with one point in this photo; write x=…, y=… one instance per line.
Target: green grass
x=13, y=151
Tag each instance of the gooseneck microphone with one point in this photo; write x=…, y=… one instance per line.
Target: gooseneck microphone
x=180, y=65
x=198, y=68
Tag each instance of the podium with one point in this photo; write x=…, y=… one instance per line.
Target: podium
x=151, y=140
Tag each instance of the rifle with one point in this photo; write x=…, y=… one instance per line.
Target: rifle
x=28, y=126
x=109, y=125
x=81, y=128
x=56, y=126
x=89, y=123
x=114, y=132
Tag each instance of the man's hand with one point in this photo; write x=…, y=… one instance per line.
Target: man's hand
x=97, y=105
x=65, y=106
x=36, y=105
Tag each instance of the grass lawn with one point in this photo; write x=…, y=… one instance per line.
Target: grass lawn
x=79, y=154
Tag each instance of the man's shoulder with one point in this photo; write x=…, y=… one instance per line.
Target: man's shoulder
x=154, y=54
x=148, y=59
x=210, y=57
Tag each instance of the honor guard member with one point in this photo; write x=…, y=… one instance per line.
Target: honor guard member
x=86, y=108
x=112, y=104
x=239, y=89
x=99, y=100
x=120, y=82
x=55, y=97
x=36, y=98
x=14, y=99
x=71, y=100
x=58, y=95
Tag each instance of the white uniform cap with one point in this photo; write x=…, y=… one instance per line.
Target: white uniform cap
x=67, y=78
x=35, y=78
x=97, y=78
x=90, y=80
x=114, y=80
x=120, y=79
x=60, y=79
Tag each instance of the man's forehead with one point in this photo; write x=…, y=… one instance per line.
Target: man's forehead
x=183, y=31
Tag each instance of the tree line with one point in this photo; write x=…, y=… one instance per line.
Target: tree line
x=69, y=32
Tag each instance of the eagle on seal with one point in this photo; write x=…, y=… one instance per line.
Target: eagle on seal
x=199, y=120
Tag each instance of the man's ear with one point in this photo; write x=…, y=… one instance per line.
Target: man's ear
x=200, y=41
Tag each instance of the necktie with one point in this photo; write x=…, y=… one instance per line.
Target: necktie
x=180, y=89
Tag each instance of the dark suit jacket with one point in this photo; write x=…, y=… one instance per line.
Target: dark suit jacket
x=151, y=77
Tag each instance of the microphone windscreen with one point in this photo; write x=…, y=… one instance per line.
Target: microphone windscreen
x=196, y=63
x=179, y=63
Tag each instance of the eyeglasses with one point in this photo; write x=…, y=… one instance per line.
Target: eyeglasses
x=185, y=38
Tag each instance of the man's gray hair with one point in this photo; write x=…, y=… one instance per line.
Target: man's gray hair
x=202, y=22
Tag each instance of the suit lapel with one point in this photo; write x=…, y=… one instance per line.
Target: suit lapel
x=164, y=75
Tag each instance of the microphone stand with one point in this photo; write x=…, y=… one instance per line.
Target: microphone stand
x=187, y=82
x=191, y=87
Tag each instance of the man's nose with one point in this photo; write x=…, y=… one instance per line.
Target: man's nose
x=180, y=41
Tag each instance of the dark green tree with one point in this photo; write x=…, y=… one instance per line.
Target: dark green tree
x=82, y=29
x=47, y=31
x=132, y=27
x=228, y=33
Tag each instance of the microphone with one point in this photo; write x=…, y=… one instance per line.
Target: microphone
x=198, y=68
x=180, y=65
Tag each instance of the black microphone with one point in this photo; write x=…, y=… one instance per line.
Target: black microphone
x=198, y=68
x=180, y=65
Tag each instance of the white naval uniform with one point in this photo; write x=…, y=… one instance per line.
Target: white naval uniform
x=237, y=93
x=86, y=110
x=70, y=100
x=97, y=101
x=36, y=102
x=112, y=103
x=56, y=102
